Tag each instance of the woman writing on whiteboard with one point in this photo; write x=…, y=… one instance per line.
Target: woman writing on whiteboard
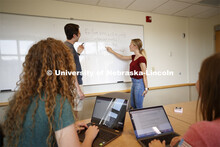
x=138, y=68
x=41, y=111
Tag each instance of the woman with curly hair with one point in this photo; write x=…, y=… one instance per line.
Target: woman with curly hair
x=41, y=111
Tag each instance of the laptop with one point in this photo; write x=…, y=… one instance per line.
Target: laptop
x=108, y=115
x=151, y=123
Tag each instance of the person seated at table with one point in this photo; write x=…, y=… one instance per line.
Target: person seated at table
x=40, y=113
x=205, y=133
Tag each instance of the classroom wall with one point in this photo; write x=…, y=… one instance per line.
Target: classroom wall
x=170, y=96
x=163, y=37
x=201, y=43
x=193, y=93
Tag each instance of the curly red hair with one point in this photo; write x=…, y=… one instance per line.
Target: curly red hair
x=49, y=54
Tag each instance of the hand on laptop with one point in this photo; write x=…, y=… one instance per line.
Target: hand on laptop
x=157, y=143
x=175, y=140
x=92, y=132
x=80, y=126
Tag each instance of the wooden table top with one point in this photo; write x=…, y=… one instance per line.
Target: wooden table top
x=128, y=137
x=189, y=114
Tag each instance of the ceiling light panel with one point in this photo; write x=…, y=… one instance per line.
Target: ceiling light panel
x=146, y=5
x=87, y=2
x=116, y=3
x=189, y=1
x=209, y=13
x=192, y=10
x=171, y=7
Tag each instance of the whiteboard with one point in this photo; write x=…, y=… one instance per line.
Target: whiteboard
x=19, y=32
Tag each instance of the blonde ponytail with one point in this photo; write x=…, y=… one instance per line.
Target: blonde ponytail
x=138, y=42
x=143, y=53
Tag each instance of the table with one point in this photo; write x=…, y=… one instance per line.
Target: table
x=180, y=123
x=189, y=115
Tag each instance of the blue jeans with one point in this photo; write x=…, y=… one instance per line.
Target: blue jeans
x=137, y=90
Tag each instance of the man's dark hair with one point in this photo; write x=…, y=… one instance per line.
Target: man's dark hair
x=71, y=29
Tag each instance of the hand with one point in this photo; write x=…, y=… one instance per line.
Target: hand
x=81, y=95
x=109, y=49
x=157, y=143
x=80, y=125
x=145, y=92
x=91, y=132
x=175, y=140
x=80, y=49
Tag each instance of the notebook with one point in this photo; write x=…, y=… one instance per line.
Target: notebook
x=151, y=123
x=108, y=115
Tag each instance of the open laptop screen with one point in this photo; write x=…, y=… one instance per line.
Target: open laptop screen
x=110, y=112
x=150, y=121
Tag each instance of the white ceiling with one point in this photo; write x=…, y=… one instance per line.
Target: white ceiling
x=187, y=8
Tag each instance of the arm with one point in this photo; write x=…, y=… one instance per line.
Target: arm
x=157, y=143
x=143, y=69
x=80, y=49
x=79, y=91
x=68, y=137
x=175, y=140
x=118, y=55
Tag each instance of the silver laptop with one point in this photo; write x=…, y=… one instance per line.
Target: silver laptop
x=151, y=123
x=108, y=115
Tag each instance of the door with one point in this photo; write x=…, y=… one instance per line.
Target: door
x=217, y=41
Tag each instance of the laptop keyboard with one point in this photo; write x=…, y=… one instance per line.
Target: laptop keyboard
x=106, y=136
x=167, y=138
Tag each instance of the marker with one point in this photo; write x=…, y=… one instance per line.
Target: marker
x=120, y=81
x=6, y=90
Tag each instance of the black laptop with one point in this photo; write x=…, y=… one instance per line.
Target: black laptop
x=151, y=123
x=108, y=115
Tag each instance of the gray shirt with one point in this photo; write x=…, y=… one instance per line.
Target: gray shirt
x=76, y=58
